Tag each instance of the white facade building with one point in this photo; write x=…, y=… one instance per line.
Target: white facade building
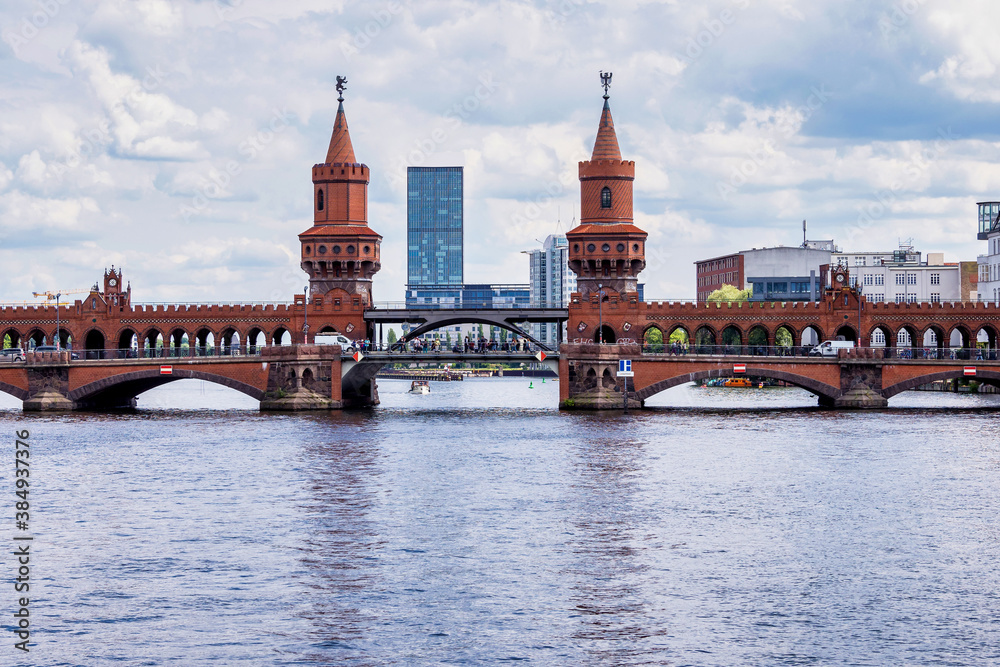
x=989, y=264
x=901, y=277
x=551, y=283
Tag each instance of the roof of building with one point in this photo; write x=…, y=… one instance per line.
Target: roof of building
x=341, y=150
x=606, y=145
x=340, y=230
x=620, y=228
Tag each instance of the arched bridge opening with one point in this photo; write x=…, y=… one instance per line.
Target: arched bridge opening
x=17, y=392
x=825, y=392
x=984, y=376
x=120, y=391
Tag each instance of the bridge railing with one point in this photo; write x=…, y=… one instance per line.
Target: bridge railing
x=159, y=353
x=925, y=353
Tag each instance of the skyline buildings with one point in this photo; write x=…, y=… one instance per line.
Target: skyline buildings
x=550, y=281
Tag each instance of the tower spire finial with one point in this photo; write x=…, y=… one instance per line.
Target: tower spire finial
x=341, y=85
x=605, y=81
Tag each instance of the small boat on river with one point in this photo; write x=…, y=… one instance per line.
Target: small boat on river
x=420, y=387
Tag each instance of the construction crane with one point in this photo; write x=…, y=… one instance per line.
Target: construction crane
x=55, y=296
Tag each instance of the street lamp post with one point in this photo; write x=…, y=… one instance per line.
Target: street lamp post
x=58, y=337
x=305, y=310
x=859, y=312
x=600, y=313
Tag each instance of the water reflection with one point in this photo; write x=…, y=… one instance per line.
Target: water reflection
x=610, y=571
x=340, y=546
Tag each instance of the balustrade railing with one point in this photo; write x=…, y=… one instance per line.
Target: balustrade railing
x=925, y=353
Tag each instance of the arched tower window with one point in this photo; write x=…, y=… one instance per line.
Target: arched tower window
x=319, y=200
x=606, y=198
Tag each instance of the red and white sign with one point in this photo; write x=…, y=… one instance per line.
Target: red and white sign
x=540, y=356
x=581, y=327
x=970, y=370
x=358, y=356
x=166, y=370
x=739, y=368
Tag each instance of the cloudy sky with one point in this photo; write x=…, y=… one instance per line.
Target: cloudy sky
x=175, y=138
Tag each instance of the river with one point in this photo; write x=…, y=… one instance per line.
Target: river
x=479, y=525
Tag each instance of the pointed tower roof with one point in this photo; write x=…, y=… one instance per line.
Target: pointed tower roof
x=606, y=146
x=341, y=150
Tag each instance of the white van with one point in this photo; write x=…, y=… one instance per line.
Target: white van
x=346, y=344
x=831, y=348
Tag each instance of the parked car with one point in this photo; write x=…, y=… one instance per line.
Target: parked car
x=12, y=354
x=53, y=348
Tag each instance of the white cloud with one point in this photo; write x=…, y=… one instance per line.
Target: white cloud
x=143, y=123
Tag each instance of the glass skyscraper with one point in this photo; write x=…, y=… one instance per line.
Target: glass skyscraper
x=434, y=226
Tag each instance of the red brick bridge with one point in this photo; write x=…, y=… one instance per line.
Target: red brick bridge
x=297, y=377
x=860, y=379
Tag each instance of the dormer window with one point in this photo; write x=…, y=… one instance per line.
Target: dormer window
x=606, y=198
x=319, y=200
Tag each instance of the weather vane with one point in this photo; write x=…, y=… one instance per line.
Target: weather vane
x=605, y=81
x=341, y=85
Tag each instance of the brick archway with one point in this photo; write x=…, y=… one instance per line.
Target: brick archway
x=821, y=389
x=17, y=392
x=991, y=377
x=129, y=385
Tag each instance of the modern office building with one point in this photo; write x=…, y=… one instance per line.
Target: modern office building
x=551, y=284
x=735, y=269
x=787, y=288
x=434, y=226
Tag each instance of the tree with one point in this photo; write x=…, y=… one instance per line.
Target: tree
x=653, y=340
x=729, y=294
x=503, y=335
x=679, y=336
x=783, y=338
x=7, y=341
x=392, y=336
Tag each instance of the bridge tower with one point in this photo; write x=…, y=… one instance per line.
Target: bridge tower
x=606, y=250
x=340, y=252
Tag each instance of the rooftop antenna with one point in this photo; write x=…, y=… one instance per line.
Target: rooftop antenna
x=804, y=242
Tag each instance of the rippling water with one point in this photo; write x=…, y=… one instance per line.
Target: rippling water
x=442, y=529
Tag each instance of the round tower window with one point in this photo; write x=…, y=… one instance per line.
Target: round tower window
x=621, y=247
x=591, y=247
x=576, y=247
x=322, y=250
x=336, y=250
x=309, y=250
x=605, y=247
x=635, y=247
x=350, y=250
x=368, y=249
